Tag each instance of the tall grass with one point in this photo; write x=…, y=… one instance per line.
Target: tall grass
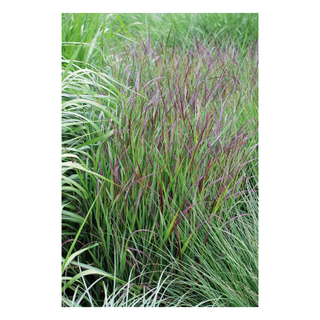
x=159, y=164
x=225, y=29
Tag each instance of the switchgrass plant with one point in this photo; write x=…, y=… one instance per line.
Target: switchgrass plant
x=159, y=169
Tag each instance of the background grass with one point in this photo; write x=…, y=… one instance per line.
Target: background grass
x=159, y=160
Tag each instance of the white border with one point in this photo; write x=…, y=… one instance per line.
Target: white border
x=30, y=131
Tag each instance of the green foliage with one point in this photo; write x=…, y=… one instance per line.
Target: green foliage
x=240, y=29
x=159, y=160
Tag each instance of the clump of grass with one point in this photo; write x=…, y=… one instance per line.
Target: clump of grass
x=159, y=171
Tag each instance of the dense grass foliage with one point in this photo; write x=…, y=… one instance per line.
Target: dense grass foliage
x=159, y=160
x=240, y=29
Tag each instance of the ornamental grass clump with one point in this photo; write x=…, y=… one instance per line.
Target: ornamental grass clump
x=159, y=175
